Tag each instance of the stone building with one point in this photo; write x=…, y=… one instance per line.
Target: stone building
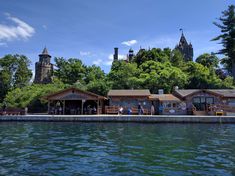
x=43, y=68
x=185, y=48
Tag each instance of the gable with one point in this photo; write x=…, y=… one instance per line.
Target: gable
x=73, y=94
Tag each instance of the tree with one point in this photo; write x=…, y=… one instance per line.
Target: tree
x=157, y=75
x=70, y=71
x=123, y=75
x=31, y=96
x=208, y=60
x=227, y=38
x=155, y=54
x=15, y=73
x=177, y=58
x=201, y=77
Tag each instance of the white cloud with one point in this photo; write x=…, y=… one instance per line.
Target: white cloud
x=85, y=53
x=129, y=42
x=97, y=62
x=20, y=29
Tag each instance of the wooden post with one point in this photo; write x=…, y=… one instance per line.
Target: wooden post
x=63, y=107
x=83, y=101
x=97, y=111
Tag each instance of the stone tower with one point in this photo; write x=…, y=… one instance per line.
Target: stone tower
x=130, y=55
x=185, y=48
x=115, y=56
x=43, y=68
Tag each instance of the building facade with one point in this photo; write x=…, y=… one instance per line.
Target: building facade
x=43, y=68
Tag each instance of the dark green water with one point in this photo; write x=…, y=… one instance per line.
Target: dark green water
x=116, y=149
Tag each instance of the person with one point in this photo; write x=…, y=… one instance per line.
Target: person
x=139, y=109
x=60, y=110
x=120, y=111
x=26, y=110
x=129, y=111
x=94, y=110
x=152, y=110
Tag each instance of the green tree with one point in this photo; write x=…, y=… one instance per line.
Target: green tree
x=15, y=73
x=32, y=96
x=177, y=58
x=201, y=77
x=227, y=38
x=157, y=75
x=208, y=60
x=70, y=71
x=122, y=75
x=155, y=54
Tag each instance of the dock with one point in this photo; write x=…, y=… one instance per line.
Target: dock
x=120, y=118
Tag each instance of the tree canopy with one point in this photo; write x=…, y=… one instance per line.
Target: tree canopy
x=227, y=38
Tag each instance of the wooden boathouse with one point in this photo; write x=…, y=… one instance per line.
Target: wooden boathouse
x=73, y=101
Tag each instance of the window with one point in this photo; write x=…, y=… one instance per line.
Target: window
x=201, y=103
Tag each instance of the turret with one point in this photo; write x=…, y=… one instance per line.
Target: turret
x=43, y=68
x=115, y=56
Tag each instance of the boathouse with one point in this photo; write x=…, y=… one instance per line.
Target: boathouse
x=207, y=101
x=73, y=101
x=168, y=104
x=128, y=99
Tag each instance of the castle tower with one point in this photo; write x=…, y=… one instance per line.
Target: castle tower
x=43, y=68
x=185, y=48
x=115, y=56
x=130, y=54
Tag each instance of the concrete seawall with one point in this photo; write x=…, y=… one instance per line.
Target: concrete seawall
x=121, y=118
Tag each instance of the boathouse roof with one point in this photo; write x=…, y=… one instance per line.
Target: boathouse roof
x=73, y=94
x=129, y=92
x=226, y=93
x=164, y=97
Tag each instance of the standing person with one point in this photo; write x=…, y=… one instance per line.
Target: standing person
x=139, y=109
x=152, y=110
x=26, y=110
x=120, y=111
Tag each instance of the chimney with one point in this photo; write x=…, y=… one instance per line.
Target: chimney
x=115, y=56
x=176, y=88
x=160, y=91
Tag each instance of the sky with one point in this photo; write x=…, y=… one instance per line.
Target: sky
x=90, y=29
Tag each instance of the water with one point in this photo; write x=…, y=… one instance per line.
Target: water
x=116, y=149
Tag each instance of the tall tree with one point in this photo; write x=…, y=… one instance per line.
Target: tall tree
x=208, y=60
x=227, y=38
x=70, y=71
x=14, y=73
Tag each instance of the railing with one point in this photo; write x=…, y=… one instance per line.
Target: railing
x=13, y=111
x=114, y=110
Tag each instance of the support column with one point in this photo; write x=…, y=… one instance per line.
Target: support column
x=83, y=101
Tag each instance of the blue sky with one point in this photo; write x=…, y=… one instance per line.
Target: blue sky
x=90, y=29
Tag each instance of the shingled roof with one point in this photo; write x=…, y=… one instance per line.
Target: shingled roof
x=228, y=93
x=164, y=97
x=129, y=92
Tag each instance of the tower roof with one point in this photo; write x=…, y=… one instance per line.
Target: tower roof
x=183, y=40
x=45, y=52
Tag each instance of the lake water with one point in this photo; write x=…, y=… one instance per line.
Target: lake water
x=116, y=149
